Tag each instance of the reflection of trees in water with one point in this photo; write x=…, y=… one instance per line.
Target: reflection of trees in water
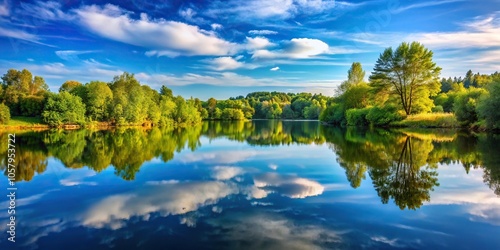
x=488, y=145
x=30, y=157
x=401, y=163
x=125, y=149
x=407, y=181
x=396, y=163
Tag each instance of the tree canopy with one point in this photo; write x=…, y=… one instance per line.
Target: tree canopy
x=408, y=74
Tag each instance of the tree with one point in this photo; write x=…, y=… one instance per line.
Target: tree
x=4, y=114
x=489, y=106
x=19, y=84
x=99, y=96
x=465, y=105
x=64, y=108
x=69, y=86
x=355, y=75
x=164, y=91
x=409, y=74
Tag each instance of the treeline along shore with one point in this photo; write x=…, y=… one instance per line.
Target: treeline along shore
x=403, y=90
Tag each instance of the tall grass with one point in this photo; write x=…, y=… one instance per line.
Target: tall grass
x=430, y=120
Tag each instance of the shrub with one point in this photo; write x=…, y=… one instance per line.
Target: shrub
x=357, y=117
x=333, y=114
x=64, y=108
x=232, y=114
x=465, y=106
x=383, y=116
x=4, y=114
x=437, y=109
x=489, y=106
x=32, y=105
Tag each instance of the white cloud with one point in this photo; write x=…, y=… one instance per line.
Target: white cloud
x=481, y=32
x=216, y=26
x=262, y=32
x=20, y=34
x=226, y=172
x=296, y=48
x=290, y=186
x=166, y=199
x=275, y=69
x=219, y=157
x=189, y=15
x=263, y=9
x=45, y=11
x=424, y=4
x=271, y=231
x=224, y=63
x=162, y=37
x=72, y=55
x=253, y=43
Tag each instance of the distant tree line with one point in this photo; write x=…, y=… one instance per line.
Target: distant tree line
x=124, y=101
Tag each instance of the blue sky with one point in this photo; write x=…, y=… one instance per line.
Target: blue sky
x=233, y=47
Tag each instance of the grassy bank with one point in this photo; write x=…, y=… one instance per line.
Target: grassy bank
x=22, y=122
x=431, y=120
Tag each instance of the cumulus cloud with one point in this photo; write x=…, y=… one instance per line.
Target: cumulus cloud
x=296, y=48
x=275, y=69
x=253, y=43
x=290, y=186
x=224, y=63
x=162, y=37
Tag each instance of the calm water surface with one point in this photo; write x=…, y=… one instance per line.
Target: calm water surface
x=254, y=185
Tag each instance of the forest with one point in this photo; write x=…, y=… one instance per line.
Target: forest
x=404, y=90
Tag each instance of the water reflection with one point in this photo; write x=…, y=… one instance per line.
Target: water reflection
x=255, y=185
x=401, y=163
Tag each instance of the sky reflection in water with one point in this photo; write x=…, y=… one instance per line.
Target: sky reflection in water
x=256, y=185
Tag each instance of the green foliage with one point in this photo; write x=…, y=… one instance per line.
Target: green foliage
x=437, y=109
x=489, y=106
x=383, y=116
x=357, y=117
x=433, y=120
x=465, y=105
x=64, y=108
x=4, y=114
x=32, y=105
x=334, y=114
x=232, y=114
x=98, y=99
x=18, y=85
x=69, y=86
x=409, y=74
x=355, y=76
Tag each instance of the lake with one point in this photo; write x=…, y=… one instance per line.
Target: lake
x=253, y=185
